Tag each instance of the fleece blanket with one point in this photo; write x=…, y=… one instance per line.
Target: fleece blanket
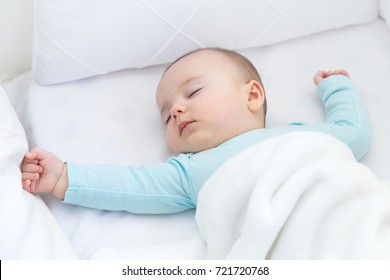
x=297, y=196
x=28, y=230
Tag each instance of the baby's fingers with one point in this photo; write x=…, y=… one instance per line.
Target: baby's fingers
x=320, y=73
x=28, y=159
x=26, y=184
x=338, y=72
x=319, y=76
x=342, y=72
x=30, y=176
x=35, y=155
x=29, y=185
x=31, y=167
x=29, y=181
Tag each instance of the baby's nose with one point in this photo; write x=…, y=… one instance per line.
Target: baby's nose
x=177, y=110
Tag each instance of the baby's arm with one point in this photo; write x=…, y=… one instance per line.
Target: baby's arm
x=321, y=75
x=346, y=117
x=155, y=189
x=44, y=172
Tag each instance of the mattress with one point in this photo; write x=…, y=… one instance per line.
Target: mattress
x=113, y=119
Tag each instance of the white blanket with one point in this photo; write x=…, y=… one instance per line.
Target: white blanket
x=27, y=228
x=296, y=196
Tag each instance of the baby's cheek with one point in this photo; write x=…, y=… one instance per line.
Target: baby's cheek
x=172, y=141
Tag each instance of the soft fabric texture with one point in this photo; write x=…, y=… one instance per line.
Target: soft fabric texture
x=28, y=229
x=74, y=40
x=295, y=196
x=113, y=119
x=385, y=10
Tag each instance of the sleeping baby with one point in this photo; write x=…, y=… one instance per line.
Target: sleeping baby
x=213, y=104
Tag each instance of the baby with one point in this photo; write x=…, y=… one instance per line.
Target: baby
x=213, y=104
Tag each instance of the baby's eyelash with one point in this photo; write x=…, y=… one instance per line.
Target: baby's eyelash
x=168, y=119
x=194, y=92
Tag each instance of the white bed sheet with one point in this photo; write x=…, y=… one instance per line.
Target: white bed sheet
x=113, y=119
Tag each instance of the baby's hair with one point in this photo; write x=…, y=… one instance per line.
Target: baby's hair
x=247, y=68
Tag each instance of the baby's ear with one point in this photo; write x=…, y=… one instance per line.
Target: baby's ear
x=256, y=96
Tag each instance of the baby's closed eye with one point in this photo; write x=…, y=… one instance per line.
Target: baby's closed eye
x=194, y=92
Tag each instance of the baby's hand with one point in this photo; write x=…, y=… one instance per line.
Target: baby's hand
x=321, y=75
x=41, y=171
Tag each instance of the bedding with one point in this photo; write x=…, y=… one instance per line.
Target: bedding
x=28, y=229
x=385, y=10
x=113, y=118
x=301, y=195
x=296, y=196
x=74, y=40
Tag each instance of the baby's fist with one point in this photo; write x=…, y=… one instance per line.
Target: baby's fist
x=321, y=75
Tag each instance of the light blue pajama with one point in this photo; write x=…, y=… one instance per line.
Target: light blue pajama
x=173, y=186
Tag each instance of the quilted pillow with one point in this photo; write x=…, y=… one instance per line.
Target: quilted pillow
x=78, y=39
x=385, y=11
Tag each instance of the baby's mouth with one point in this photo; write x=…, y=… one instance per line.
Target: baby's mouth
x=184, y=125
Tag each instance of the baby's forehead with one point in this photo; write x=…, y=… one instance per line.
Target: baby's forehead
x=204, y=54
x=200, y=60
x=195, y=64
x=207, y=54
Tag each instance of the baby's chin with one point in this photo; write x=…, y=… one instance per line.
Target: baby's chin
x=198, y=142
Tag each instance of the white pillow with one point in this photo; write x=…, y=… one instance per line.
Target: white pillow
x=78, y=39
x=385, y=11
x=28, y=230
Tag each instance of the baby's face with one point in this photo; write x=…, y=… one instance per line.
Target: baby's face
x=202, y=99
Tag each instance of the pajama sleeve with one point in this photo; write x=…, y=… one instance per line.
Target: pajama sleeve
x=346, y=116
x=155, y=189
